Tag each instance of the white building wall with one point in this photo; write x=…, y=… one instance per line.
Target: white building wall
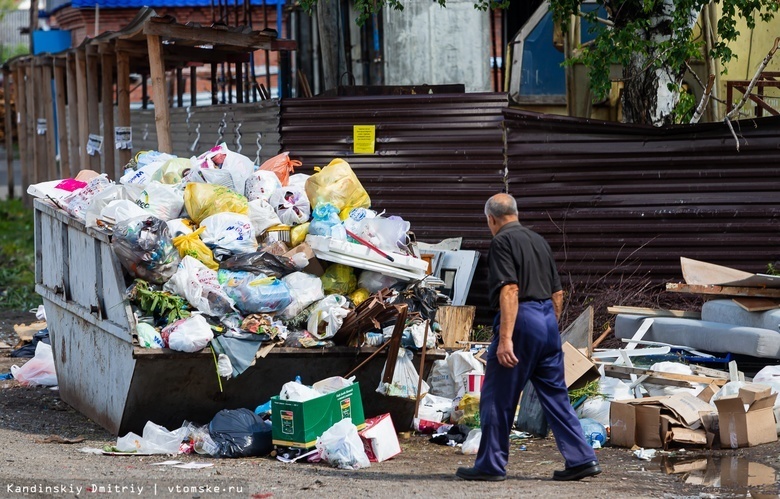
x=428, y=44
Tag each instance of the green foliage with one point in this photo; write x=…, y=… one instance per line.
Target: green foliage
x=17, y=257
x=773, y=269
x=635, y=21
x=481, y=333
x=366, y=8
x=9, y=51
x=686, y=106
x=589, y=390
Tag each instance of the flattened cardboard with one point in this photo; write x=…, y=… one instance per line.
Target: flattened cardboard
x=709, y=392
x=579, y=370
x=314, y=267
x=687, y=407
x=688, y=436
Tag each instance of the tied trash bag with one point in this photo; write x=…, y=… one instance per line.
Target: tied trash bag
x=144, y=247
x=204, y=200
x=240, y=433
x=338, y=185
x=261, y=184
x=155, y=440
x=228, y=234
x=291, y=204
x=305, y=289
x=260, y=262
x=188, y=335
x=163, y=201
x=191, y=245
x=143, y=175
x=405, y=378
x=199, y=285
x=339, y=279
x=255, y=295
x=324, y=217
x=471, y=444
x=39, y=370
x=327, y=316
x=262, y=216
x=342, y=447
x=282, y=166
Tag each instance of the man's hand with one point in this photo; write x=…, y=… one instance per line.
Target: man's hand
x=505, y=353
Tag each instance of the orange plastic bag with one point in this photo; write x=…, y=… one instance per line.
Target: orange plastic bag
x=282, y=166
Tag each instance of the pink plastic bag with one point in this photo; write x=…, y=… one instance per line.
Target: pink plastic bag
x=39, y=370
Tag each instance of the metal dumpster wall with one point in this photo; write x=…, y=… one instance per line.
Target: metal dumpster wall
x=620, y=199
x=438, y=158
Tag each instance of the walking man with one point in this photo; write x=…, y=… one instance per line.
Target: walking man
x=524, y=285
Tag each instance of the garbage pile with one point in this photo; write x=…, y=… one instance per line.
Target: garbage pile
x=223, y=253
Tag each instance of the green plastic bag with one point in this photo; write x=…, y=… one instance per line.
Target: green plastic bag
x=339, y=279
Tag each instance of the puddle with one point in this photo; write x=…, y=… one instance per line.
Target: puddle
x=725, y=472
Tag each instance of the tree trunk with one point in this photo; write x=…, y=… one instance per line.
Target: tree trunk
x=331, y=42
x=647, y=96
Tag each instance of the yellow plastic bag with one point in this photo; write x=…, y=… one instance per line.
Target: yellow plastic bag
x=191, y=244
x=469, y=404
x=339, y=279
x=359, y=296
x=298, y=234
x=338, y=185
x=203, y=200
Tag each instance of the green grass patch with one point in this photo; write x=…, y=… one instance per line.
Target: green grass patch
x=17, y=257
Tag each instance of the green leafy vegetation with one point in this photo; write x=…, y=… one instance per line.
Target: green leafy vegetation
x=17, y=257
x=589, y=390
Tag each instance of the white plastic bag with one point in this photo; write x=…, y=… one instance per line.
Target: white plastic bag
x=240, y=168
x=144, y=174
x=305, y=289
x=177, y=227
x=262, y=215
x=291, y=204
x=769, y=374
x=663, y=390
x=231, y=232
x=298, y=179
x=460, y=364
x=440, y=380
x=597, y=407
x=327, y=316
x=78, y=203
x=161, y=200
x=342, y=447
x=199, y=285
x=224, y=366
x=39, y=370
x=155, y=440
x=120, y=210
x=471, y=444
x=148, y=337
x=261, y=184
x=189, y=335
x=102, y=199
x=405, y=378
x=436, y=409
x=332, y=384
x=384, y=233
x=374, y=281
x=418, y=335
x=298, y=392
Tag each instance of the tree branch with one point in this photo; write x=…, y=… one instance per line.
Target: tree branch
x=705, y=98
x=746, y=94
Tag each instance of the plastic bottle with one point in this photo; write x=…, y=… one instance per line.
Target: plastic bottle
x=595, y=433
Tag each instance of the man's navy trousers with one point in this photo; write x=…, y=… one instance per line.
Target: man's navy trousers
x=537, y=346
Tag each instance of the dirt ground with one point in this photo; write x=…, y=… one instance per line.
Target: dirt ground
x=31, y=468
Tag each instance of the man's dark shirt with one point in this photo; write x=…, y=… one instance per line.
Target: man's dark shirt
x=520, y=256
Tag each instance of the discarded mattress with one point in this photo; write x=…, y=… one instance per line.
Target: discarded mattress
x=728, y=312
x=709, y=336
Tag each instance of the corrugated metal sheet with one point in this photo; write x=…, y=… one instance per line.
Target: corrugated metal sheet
x=11, y=24
x=259, y=122
x=137, y=4
x=438, y=157
x=624, y=198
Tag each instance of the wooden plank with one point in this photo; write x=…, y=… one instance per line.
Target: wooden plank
x=706, y=371
x=62, y=120
x=703, y=273
x=73, y=115
x=48, y=111
x=580, y=332
x=678, y=287
x=93, y=105
x=642, y=352
x=20, y=120
x=9, y=136
x=82, y=110
x=609, y=369
x=456, y=322
x=40, y=158
x=162, y=117
x=647, y=378
x=256, y=40
x=123, y=101
x=653, y=312
x=107, y=98
x=756, y=304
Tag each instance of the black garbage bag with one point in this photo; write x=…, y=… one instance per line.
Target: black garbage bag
x=28, y=350
x=240, y=433
x=260, y=262
x=457, y=434
x=420, y=299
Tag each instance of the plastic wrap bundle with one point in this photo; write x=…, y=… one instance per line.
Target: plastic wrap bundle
x=305, y=289
x=145, y=249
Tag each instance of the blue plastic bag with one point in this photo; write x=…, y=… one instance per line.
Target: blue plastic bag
x=324, y=217
x=255, y=295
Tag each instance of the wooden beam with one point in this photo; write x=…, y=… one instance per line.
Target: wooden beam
x=123, y=101
x=756, y=304
x=40, y=159
x=82, y=110
x=48, y=111
x=62, y=120
x=21, y=126
x=690, y=378
x=107, y=97
x=9, y=134
x=73, y=116
x=256, y=40
x=653, y=312
x=709, y=289
x=93, y=105
x=162, y=115
x=193, y=86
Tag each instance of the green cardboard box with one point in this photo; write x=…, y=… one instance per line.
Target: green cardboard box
x=299, y=424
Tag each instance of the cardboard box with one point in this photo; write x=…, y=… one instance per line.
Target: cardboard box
x=579, y=370
x=747, y=419
x=314, y=267
x=379, y=439
x=299, y=424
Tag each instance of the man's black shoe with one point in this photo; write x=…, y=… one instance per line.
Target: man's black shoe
x=475, y=474
x=577, y=472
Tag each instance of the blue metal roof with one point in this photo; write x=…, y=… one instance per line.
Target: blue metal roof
x=137, y=4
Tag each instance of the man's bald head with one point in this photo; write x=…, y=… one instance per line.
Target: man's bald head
x=501, y=205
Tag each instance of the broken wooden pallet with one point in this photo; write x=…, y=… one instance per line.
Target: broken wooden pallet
x=709, y=289
x=616, y=371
